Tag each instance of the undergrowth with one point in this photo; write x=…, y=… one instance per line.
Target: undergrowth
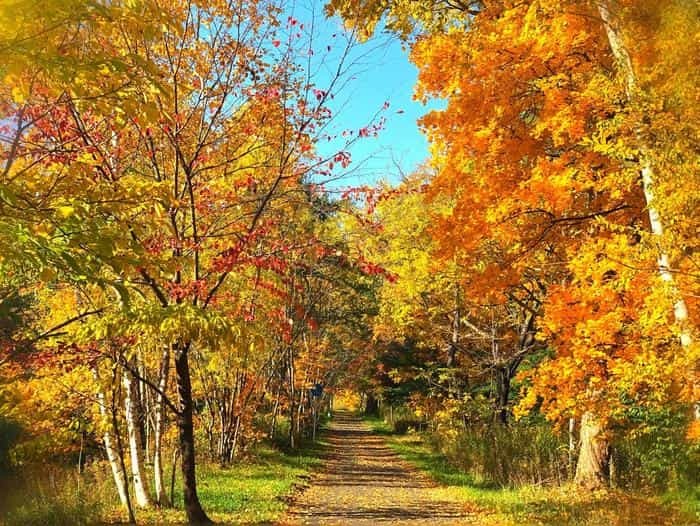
x=254, y=491
x=538, y=504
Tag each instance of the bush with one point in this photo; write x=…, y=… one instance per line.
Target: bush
x=9, y=433
x=507, y=456
x=656, y=452
x=54, y=495
x=402, y=426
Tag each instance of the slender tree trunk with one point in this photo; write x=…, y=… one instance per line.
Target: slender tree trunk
x=176, y=456
x=140, y=406
x=502, y=394
x=572, y=447
x=159, y=428
x=454, y=338
x=621, y=54
x=234, y=440
x=193, y=508
x=118, y=472
x=593, y=466
x=292, y=401
x=120, y=452
x=81, y=452
x=275, y=410
x=135, y=450
x=300, y=413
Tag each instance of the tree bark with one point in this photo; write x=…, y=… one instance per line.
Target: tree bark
x=193, y=508
x=112, y=455
x=503, y=379
x=120, y=453
x=135, y=449
x=371, y=405
x=593, y=466
x=159, y=428
x=622, y=56
x=292, y=400
x=572, y=447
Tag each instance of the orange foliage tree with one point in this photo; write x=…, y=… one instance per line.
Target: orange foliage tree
x=567, y=149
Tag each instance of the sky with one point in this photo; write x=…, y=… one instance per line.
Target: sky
x=386, y=75
x=380, y=72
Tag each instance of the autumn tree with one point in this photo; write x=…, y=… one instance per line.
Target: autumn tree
x=563, y=150
x=162, y=187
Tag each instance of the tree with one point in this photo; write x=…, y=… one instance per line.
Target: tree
x=548, y=150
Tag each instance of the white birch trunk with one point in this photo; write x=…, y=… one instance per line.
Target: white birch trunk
x=159, y=428
x=135, y=453
x=112, y=455
x=622, y=56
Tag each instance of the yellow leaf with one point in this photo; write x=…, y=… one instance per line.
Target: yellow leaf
x=65, y=211
x=18, y=95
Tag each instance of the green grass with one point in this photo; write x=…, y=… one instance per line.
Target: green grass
x=254, y=491
x=536, y=505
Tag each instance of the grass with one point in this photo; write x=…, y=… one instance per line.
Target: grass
x=254, y=491
x=54, y=495
x=538, y=505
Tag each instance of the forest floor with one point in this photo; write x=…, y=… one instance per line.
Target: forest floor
x=371, y=477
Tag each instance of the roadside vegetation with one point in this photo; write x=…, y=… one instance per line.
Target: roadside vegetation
x=550, y=503
x=255, y=490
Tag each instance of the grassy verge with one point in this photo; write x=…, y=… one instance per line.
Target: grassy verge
x=254, y=491
x=534, y=505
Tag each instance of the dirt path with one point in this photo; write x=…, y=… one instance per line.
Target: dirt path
x=364, y=482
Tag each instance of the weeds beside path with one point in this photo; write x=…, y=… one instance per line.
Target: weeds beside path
x=252, y=491
x=533, y=505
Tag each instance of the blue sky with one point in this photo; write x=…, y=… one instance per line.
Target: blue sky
x=386, y=75
x=380, y=72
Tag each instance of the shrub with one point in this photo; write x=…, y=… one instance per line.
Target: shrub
x=507, y=456
x=54, y=495
x=655, y=453
x=402, y=426
x=9, y=433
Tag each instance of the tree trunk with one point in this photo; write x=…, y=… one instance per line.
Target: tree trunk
x=235, y=438
x=572, y=447
x=292, y=401
x=275, y=410
x=371, y=405
x=502, y=394
x=135, y=450
x=593, y=466
x=113, y=456
x=193, y=508
x=159, y=428
x=120, y=453
x=622, y=56
x=454, y=338
x=176, y=456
